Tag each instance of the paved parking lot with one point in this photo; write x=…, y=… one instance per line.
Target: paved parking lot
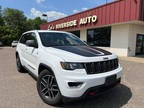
x=18, y=90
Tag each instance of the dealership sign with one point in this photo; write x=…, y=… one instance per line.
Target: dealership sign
x=67, y=24
x=88, y=20
x=73, y=23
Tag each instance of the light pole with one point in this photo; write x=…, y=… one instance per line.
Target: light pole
x=45, y=15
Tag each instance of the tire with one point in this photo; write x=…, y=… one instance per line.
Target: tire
x=48, y=88
x=20, y=68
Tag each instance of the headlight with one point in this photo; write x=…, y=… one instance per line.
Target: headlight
x=71, y=66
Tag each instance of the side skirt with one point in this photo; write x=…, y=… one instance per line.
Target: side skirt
x=31, y=74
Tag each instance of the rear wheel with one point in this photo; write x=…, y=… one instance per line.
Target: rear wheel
x=20, y=68
x=48, y=89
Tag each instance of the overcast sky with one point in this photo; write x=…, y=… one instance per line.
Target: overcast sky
x=54, y=8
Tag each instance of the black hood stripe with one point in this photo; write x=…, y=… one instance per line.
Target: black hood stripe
x=84, y=50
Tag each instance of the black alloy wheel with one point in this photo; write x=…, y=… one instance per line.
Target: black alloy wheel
x=48, y=88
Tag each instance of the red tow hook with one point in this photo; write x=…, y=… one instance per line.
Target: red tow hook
x=92, y=93
x=118, y=83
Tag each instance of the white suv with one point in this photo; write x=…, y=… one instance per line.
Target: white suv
x=65, y=66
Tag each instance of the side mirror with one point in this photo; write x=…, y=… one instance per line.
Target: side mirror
x=31, y=43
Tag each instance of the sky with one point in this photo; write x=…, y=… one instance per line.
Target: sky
x=55, y=9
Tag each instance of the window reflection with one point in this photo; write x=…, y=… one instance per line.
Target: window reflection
x=99, y=37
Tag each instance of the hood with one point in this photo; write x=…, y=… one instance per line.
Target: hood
x=76, y=52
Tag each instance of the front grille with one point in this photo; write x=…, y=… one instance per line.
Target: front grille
x=101, y=67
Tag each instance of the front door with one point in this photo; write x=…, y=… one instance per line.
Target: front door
x=32, y=54
x=140, y=44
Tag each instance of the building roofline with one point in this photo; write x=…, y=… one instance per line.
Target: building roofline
x=84, y=11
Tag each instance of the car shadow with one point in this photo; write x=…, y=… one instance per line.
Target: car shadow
x=30, y=73
x=115, y=98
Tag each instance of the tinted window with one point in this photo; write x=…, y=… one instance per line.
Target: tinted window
x=99, y=37
x=28, y=36
x=22, y=40
x=59, y=39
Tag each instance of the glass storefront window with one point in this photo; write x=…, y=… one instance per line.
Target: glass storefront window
x=77, y=33
x=99, y=37
x=140, y=44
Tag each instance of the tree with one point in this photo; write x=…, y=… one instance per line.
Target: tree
x=1, y=18
x=34, y=24
x=13, y=23
x=7, y=34
x=15, y=19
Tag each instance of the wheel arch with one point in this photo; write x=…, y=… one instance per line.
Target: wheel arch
x=44, y=66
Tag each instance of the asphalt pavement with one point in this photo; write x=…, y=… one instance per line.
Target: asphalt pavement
x=18, y=90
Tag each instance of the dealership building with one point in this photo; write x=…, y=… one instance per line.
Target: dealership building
x=117, y=26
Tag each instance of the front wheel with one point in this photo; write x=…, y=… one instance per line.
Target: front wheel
x=48, y=88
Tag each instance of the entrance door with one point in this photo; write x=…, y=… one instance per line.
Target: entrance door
x=140, y=44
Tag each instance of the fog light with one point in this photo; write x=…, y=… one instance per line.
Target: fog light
x=75, y=84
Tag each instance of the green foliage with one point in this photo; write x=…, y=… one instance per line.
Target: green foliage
x=1, y=18
x=13, y=23
x=14, y=17
x=35, y=23
x=7, y=34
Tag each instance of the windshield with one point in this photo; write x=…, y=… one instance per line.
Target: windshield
x=59, y=39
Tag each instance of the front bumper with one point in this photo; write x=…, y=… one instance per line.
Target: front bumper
x=95, y=91
x=89, y=82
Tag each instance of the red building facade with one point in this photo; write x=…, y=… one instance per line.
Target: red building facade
x=115, y=12
x=117, y=26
